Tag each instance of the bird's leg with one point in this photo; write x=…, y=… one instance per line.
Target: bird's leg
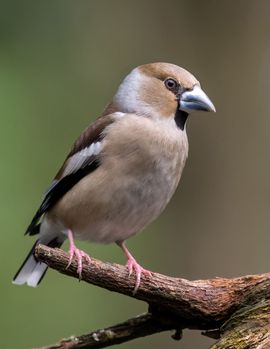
x=73, y=250
x=133, y=265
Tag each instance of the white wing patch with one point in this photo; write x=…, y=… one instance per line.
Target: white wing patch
x=118, y=115
x=82, y=158
x=52, y=185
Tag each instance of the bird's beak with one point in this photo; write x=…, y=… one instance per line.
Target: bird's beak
x=196, y=99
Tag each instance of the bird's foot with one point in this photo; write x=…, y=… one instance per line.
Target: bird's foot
x=133, y=265
x=79, y=254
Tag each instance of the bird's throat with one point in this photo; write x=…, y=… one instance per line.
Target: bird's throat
x=180, y=118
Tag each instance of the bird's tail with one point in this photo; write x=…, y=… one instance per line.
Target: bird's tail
x=32, y=271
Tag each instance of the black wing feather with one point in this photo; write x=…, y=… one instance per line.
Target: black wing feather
x=63, y=183
x=57, y=191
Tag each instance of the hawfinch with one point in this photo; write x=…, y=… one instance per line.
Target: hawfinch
x=122, y=170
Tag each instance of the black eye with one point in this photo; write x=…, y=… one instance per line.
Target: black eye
x=171, y=85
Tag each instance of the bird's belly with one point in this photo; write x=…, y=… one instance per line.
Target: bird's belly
x=117, y=210
x=127, y=210
x=128, y=191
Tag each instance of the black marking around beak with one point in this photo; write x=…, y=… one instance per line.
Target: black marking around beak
x=180, y=118
x=189, y=101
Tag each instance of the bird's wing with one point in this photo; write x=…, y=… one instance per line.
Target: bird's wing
x=81, y=160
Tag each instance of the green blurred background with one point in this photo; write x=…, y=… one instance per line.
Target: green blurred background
x=60, y=63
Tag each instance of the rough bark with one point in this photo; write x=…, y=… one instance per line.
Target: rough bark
x=247, y=328
x=220, y=307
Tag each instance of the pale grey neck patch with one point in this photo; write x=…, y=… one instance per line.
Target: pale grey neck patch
x=128, y=96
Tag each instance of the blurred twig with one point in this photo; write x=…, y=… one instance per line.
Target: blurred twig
x=173, y=303
x=139, y=326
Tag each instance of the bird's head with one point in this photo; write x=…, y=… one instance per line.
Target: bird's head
x=161, y=90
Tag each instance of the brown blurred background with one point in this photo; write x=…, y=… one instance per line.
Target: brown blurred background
x=60, y=63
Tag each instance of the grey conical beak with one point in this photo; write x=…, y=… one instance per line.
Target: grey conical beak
x=196, y=99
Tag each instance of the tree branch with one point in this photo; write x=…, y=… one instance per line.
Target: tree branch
x=247, y=328
x=173, y=303
x=140, y=326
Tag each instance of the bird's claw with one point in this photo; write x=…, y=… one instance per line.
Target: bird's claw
x=80, y=255
x=133, y=265
x=73, y=250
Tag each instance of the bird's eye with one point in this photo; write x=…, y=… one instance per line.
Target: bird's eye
x=171, y=85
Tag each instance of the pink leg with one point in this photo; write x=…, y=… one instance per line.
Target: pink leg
x=133, y=265
x=78, y=253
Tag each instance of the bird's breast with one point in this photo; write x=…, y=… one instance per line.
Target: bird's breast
x=137, y=147
x=141, y=164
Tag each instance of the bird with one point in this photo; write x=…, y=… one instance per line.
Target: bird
x=122, y=170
